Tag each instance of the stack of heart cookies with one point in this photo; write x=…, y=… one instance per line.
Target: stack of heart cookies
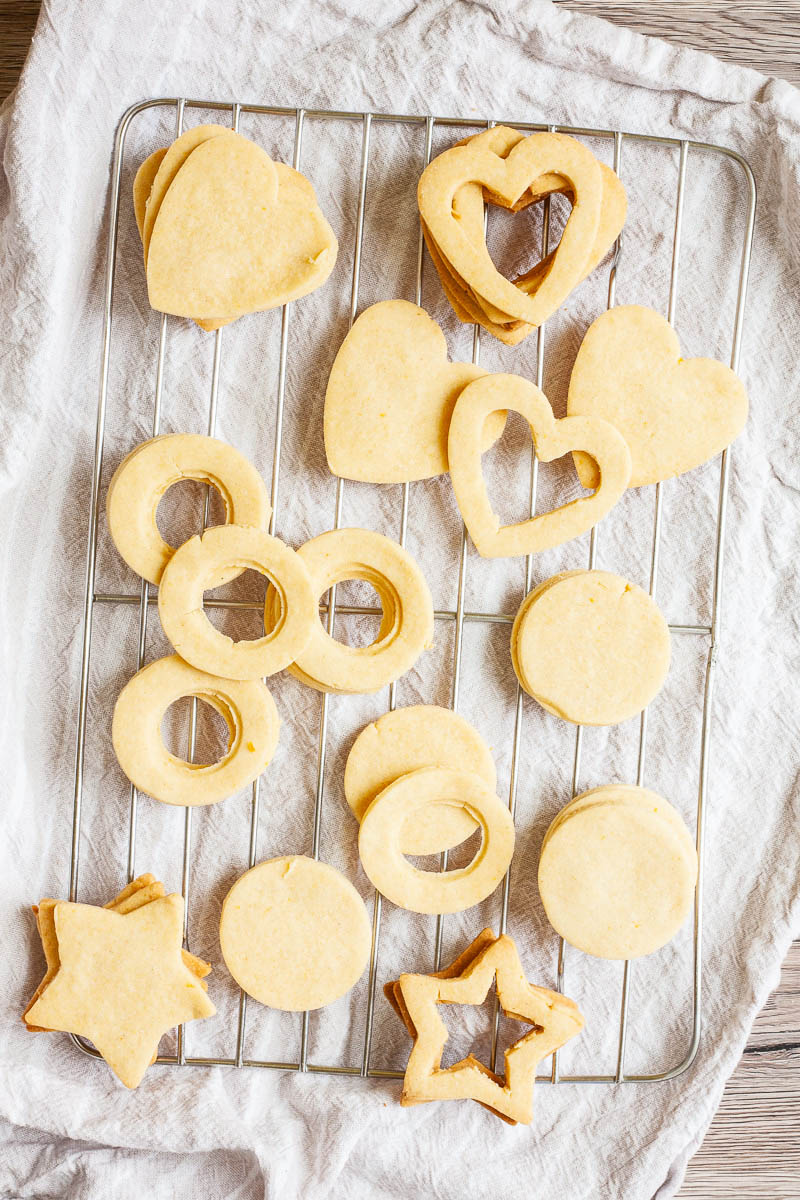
x=227, y=231
x=504, y=167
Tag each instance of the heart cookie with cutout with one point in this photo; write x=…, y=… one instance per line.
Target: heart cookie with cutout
x=468, y=209
x=674, y=413
x=390, y=396
x=233, y=233
x=552, y=438
x=508, y=179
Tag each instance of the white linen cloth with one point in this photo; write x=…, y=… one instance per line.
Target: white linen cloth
x=70, y=1128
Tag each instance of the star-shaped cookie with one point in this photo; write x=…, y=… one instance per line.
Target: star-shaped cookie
x=118, y=978
x=141, y=890
x=555, y=1018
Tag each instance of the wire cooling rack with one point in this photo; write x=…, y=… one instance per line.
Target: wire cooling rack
x=459, y=616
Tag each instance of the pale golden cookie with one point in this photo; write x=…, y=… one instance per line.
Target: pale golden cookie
x=405, y=630
x=555, y=1018
x=674, y=413
x=122, y=982
x=408, y=739
x=149, y=470
x=390, y=396
x=142, y=186
x=617, y=872
x=227, y=241
x=590, y=647
x=552, y=438
x=379, y=841
x=468, y=208
x=246, y=706
x=172, y=161
x=142, y=890
x=294, y=933
x=623, y=793
x=203, y=560
x=509, y=178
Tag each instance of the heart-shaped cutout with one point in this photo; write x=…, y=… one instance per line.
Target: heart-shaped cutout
x=552, y=438
x=468, y=208
x=234, y=235
x=674, y=414
x=509, y=179
x=390, y=397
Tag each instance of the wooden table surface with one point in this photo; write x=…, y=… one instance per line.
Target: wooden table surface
x=752, y=1150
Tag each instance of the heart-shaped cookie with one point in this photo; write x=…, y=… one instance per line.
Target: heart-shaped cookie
x=390, y=396
x=233, y=235
x=509, y=178
x=674, y=413
x=552, y=438
x=168, y=168
x=468, y=208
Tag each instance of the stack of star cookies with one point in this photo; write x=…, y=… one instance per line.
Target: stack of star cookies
x=118, y=975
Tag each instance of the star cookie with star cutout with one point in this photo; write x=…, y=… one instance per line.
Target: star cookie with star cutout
x=118, y=975
x=555, y=1019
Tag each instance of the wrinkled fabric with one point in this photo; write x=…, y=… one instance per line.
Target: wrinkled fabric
x=68, y=1127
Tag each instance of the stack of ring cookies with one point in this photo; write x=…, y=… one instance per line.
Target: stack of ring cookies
x=229, y=675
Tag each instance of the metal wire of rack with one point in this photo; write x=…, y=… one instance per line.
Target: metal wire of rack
x=458, y=617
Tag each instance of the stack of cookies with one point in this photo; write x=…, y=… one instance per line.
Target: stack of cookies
x=227, y=231
x=503, y=167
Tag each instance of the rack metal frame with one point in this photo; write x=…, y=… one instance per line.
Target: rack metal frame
x=458, y=616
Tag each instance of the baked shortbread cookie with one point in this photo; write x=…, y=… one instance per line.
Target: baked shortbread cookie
x=121, y=981
x=674, y=413
x=390, y=396
x=552, y=438
x=590, y=647
x=415, y=998
x=617, y=872
x=407, y=739
x=294, y=933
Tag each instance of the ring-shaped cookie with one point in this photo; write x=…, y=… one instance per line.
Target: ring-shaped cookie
x=380, y=839
x=405, y=740
x=193, y=568
x=406, y=628
x=144, y=475
x=246, y=706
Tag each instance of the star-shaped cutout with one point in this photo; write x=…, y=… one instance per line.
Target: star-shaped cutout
x=121, y=982
x=554, y=1017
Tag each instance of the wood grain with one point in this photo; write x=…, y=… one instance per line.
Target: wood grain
x=752, y=1150
x=763, y=35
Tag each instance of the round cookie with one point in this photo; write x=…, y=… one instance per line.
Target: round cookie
x=294, y=933
x=590, y=647
x=620, y=793
x=422, y=735
x=617, y=872
x=406, y=628
x=246, y=707
x=206, y=557
x=144, y=475
x=428, y=891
